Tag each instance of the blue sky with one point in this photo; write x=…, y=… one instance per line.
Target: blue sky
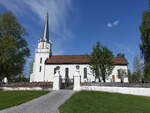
x=76, y=25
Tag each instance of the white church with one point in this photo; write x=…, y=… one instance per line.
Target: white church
x=45, y=64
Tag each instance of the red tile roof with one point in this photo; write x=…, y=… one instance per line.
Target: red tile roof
x=79, y=59
x=120, y=61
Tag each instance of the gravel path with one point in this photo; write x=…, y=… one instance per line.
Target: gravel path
x=45, y=104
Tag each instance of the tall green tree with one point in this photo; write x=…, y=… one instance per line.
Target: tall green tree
x=138, y=68
x=145, y=43
x=101, y=61
x=13, y=46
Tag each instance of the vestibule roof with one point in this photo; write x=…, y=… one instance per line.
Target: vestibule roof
x=79, y=59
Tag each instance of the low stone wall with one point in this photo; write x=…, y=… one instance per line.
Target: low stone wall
x=23, y=88
x=138, y=85
x=123, y=90
x=27, y=86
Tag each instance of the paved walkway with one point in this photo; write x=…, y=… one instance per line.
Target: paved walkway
x=46, y=104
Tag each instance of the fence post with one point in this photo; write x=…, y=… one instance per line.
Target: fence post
x=56, y=82
x=5, y=80
x=77, y=80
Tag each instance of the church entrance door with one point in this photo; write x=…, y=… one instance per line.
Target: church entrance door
x=67, y=83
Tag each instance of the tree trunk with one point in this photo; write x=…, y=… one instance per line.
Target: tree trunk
x=122, y=79
x=104, y=79
x=99, y=79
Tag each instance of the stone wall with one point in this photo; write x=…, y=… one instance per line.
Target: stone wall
x=124, y=90
x=27, y=86
x=136, y=85
x=24, y=88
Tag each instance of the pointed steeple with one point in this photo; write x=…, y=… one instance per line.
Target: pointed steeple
x=46, y=30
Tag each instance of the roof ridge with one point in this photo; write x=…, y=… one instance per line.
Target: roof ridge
x=84, y=55
x=72, y=55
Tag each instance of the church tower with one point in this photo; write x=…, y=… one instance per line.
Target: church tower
x=42, y=52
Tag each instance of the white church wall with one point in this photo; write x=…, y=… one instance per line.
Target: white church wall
x=39, y=75
x=31, y=77
x=49, y=72
x=115, y=73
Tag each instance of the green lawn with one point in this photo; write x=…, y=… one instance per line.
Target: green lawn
x=13, y=98
x=100, y=102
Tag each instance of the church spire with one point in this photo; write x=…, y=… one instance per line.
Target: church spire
x=46, y=30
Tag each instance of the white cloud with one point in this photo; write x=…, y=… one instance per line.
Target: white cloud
x=58, y=10
x=109, y=25
x=116, y=22
x=113, y=24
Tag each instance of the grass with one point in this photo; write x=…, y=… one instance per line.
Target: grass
x=101, y=102
x=13, y=98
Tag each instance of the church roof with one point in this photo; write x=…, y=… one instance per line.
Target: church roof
x=79, y=59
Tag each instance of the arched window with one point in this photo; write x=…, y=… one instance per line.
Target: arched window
x=40, y=69
x=66, y=72
x=55, y=70
x=85, y=72
x=40, y=60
